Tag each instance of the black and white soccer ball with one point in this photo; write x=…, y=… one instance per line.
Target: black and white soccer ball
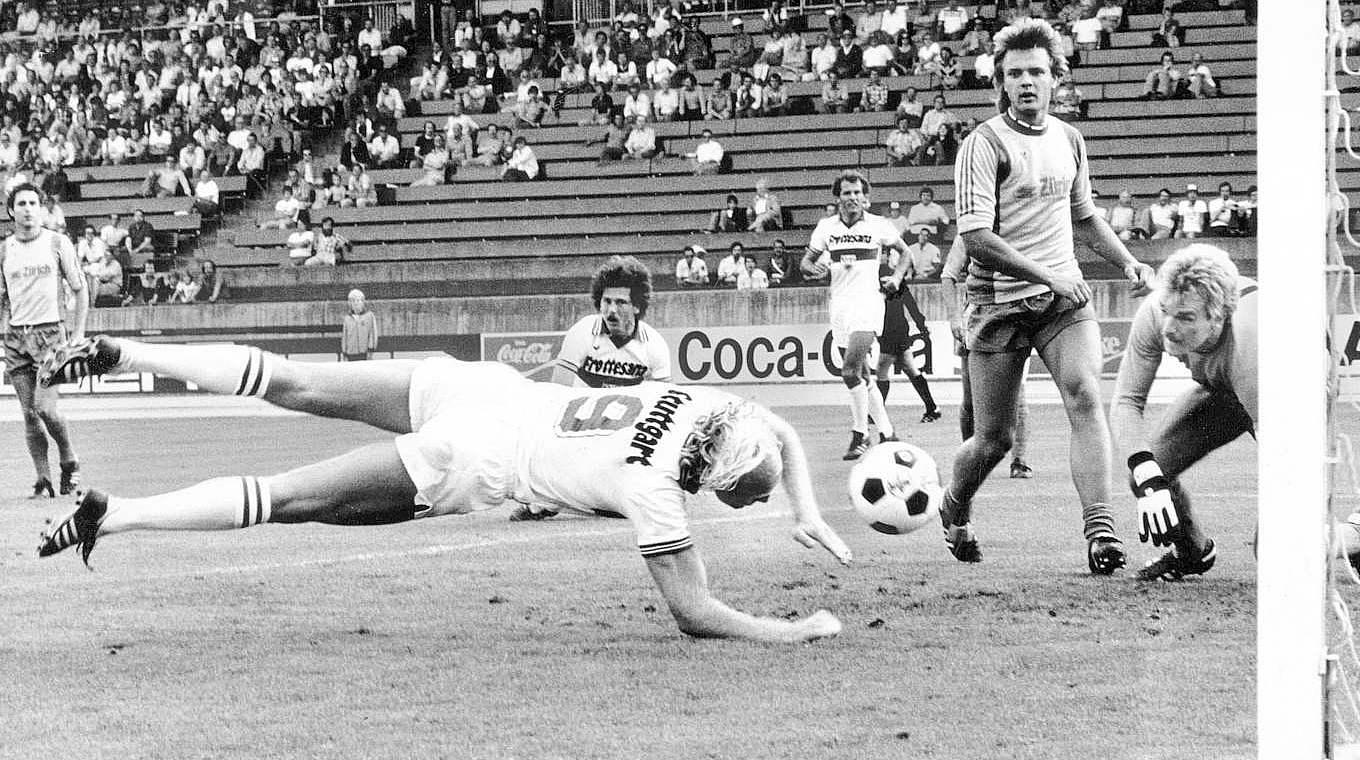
x=895, y=487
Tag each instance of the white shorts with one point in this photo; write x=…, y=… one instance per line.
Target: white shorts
x=461, y=455
x=852, y=315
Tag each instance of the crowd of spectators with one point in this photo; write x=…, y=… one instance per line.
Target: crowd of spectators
x=1224, y=215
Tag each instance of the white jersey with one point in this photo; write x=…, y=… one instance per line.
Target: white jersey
x=33, y=270
x=589, y=353
x=484, y=435
x=852, y=253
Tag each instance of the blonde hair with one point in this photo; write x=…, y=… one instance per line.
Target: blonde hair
x=730, y=443
x=1206, y=270
x=1027, y=34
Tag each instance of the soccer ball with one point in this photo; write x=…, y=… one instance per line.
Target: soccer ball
x=896, y=488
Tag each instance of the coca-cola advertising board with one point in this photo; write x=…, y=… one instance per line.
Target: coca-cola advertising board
x=532, y=354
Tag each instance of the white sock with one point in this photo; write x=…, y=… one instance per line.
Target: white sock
x=859, y=408
x=878, y=410
x=221, y=369
x=217, y=504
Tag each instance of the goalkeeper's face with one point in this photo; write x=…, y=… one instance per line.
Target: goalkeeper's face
x=1186, y=324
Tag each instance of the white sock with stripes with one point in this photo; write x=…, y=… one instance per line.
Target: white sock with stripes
x=217, y=504
x=221, y=369
x=878, y=411
x=859, y=408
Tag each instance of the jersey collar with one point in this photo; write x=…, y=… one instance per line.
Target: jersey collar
x=1022, y=127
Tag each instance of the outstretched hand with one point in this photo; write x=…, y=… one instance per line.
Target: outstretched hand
x=814, y=533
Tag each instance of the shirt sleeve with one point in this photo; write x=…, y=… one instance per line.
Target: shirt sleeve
x=575, y=344
x=975, y=183
x=70, y=267
x=1142, y=357
x=1082, y=205
x=658, y=515
x=817, y=241
x=1245, y=379
x=658, y=356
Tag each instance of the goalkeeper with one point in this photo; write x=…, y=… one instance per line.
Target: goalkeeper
x=1204, y=314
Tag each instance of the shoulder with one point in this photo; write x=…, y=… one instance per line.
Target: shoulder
x=587, y=325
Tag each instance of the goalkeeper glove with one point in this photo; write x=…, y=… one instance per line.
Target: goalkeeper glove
x=1157, y=513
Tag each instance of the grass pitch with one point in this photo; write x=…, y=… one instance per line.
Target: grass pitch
x=472, y=637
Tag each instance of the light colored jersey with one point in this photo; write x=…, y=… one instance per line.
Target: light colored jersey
x=589, y=353
x=1229, y=366
x=852, y=253
x=32, y=273
x=1027, y=186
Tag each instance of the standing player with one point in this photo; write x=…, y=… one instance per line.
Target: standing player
x=471, y=436
x=894, y=343
x=34, y=262
x=1204, y=314
x=1024, y=194
x=615, y=348
x=849, y=246
x=953, y=275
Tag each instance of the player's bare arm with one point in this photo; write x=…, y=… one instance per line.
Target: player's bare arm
x=683, y=583
x=810, y=265
x=989, y=249
x=1101, y=238
x=811, y=530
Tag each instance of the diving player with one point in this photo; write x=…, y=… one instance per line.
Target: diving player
x=471, y=436
x=1203, y=313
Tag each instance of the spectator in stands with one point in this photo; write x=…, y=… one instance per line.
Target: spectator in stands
x=531, y=112
x=875, y=95
x=627, y=75
x=104, y=277
x=299, y=243
x=984, y=66
x=927, y=53
x=928, y=214
x=690, y=270
x=1191, y=214
x=910, y=108
x=286, y=211
x=114, y=236
x=251, y=164
x=477, y=96
x=837, y=20
x=139, y=240
x=707, y=155
x=742, y=51
x=641, y=142
x=435, y=163
x=878, y=55
x=1223, y=213
x=752, y=277
x=941, y=147
x=732, y=266
x=1165, y=80
x=869, y=22
x=935, y=117
x=213, y=282
x=1067, y=102
x=835, y=98
x=328, y=247
x=636, y=103
x=1247, y=213
x=732, y=217
x=354, y=150
x=186, y=287
x=601, y=106
x=148, y=286
x=896, y=19
x=602, y=71
x=823, y=57
x=697, y=47
x=659, y=68
x=691, y=97
x=90, y=249
x=207, y=195
x=904, y=144
x=944, y=71
x=1200, y=78
x=1086, y=30
x=721, y=104
x=925, y=257
x=614, y=138
x=385, y=149
x=522, y=165
x=166, y=181
x=765, y=211
x=774, y=97
x=951, y=21
x=904, y=56
x=1124, y=218
x=749, y=97
x=783, y=268
x=849, y=57
x=1169, y=33
x=1161, y=220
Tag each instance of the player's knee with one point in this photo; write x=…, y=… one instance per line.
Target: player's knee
x=1083, y=401
x=32, y=418
x=851, y=377
x=992, y=445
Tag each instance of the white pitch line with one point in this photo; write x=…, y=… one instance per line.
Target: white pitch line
x=431, y=551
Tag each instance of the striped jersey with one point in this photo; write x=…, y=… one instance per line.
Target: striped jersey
x=1027, y=185
x=589, y=353
x=852, y=253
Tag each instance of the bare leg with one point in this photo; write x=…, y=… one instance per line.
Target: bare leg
x=25, y=383
x=994, y=388
x=1073, y=357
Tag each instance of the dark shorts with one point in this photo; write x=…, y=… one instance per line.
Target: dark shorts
x=25, y=346
x=895, y=343
x=996, y=328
